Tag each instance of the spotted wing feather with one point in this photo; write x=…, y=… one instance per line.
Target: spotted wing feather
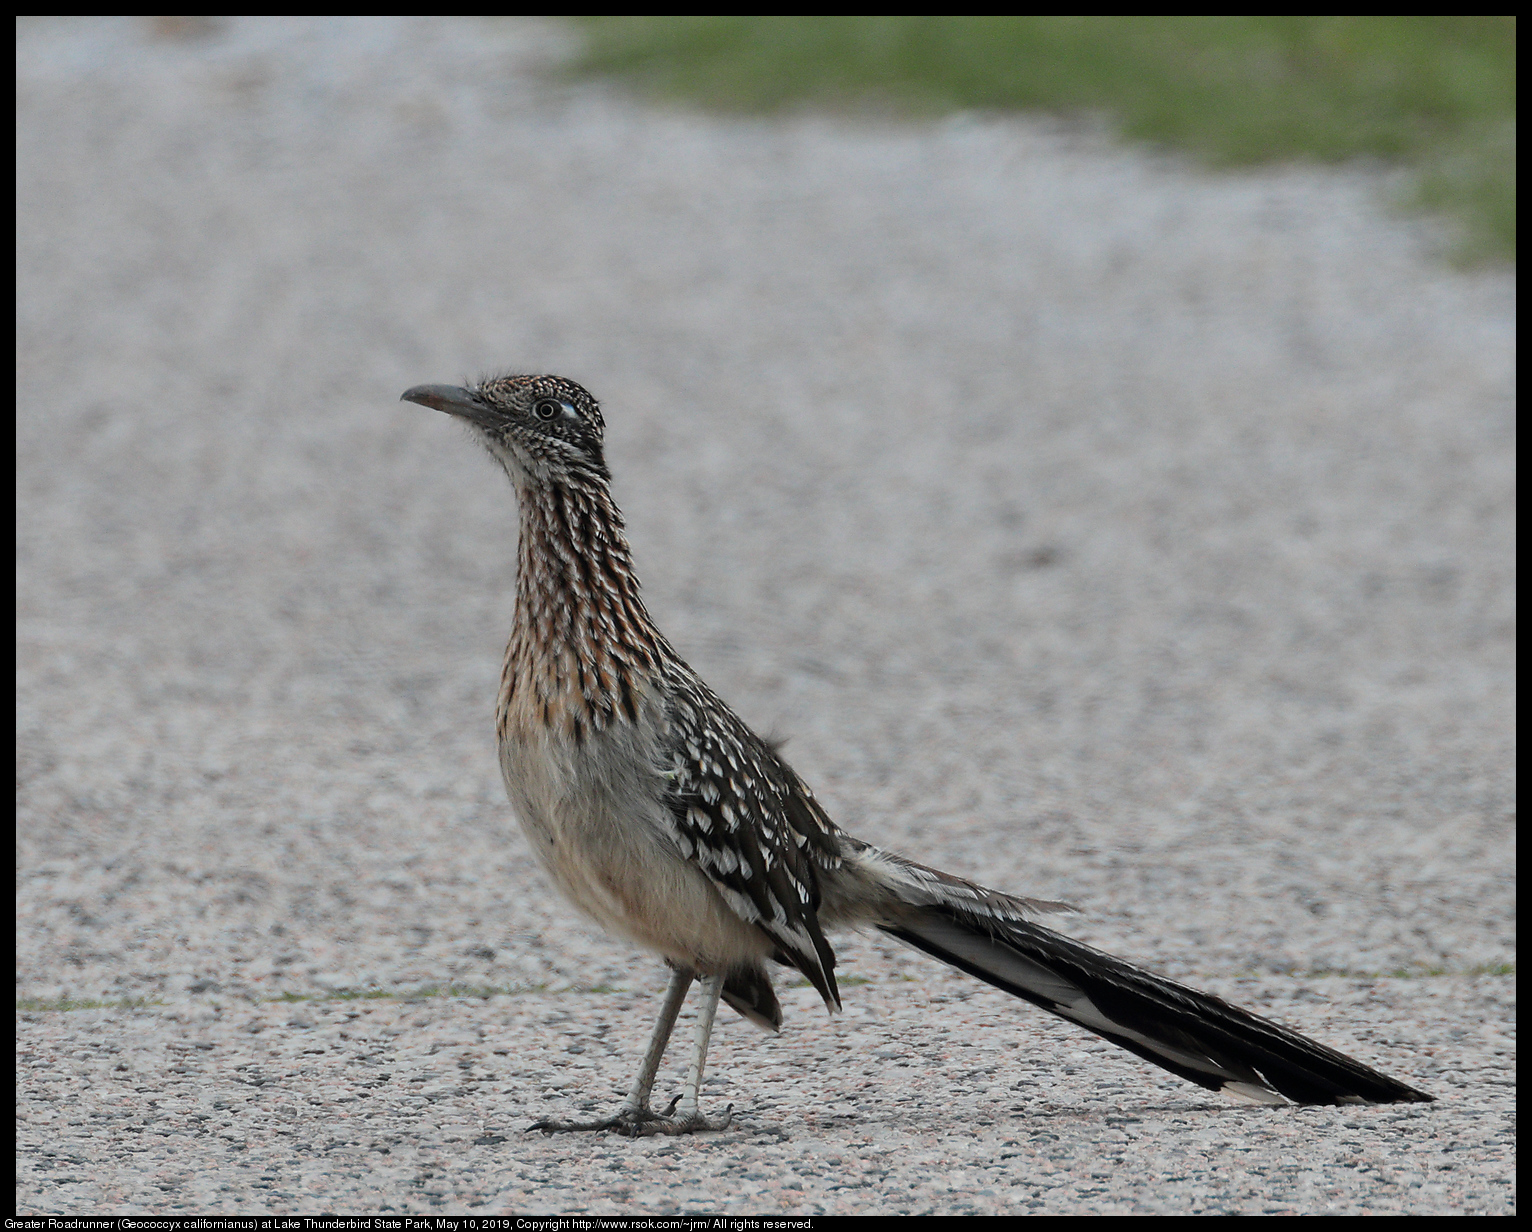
x=748, y=822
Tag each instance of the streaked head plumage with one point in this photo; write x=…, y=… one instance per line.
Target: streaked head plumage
x=541, y=428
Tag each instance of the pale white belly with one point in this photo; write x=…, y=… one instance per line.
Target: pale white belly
x=595, y=818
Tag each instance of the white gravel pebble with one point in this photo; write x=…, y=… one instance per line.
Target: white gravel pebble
x=1094, y=526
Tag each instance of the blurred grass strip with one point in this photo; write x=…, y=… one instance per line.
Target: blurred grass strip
x=1434, y=93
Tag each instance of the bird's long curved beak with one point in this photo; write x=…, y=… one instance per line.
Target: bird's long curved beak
x=453, y=400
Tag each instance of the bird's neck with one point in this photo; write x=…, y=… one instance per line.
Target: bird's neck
x=582, y=647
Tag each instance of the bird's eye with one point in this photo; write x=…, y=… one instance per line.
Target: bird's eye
x=547, y=410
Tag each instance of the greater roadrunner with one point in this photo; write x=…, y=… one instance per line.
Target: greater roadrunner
x=663, y=817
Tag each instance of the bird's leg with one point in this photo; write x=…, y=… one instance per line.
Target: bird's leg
x=688, y=1118
x=637, y=1119
x=637, y=1103
x=635, y=1112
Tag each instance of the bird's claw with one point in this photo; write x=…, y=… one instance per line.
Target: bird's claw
x=640, y=1123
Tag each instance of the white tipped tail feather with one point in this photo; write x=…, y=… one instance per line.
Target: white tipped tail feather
x=1190, y=1033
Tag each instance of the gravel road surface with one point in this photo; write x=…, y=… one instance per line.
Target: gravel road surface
x=1093, y=526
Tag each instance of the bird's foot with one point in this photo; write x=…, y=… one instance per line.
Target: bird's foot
x=641, y=1123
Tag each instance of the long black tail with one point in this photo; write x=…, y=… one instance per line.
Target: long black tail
x=1203, y=1039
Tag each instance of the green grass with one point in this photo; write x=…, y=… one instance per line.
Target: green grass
x=1436, y=94
x=1406, y=973
x=482, y=992
x=32, y=1005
